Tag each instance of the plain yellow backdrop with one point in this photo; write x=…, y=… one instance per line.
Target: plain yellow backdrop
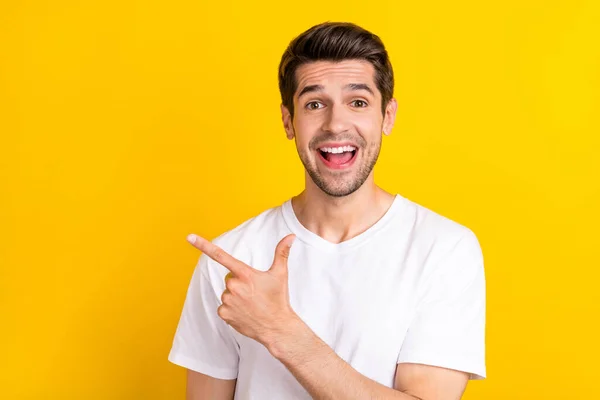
x=126, y=125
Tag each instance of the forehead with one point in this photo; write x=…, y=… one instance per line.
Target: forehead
x=329, y=73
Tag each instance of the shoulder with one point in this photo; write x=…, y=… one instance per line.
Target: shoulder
x=247, y=241
x=431, y=225
x=247, y=233
x=445, y=245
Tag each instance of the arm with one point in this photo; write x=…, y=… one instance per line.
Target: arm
x=429, y=382
x=200, y=386
x=326, y=376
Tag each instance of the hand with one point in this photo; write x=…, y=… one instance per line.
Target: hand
x=255, y=303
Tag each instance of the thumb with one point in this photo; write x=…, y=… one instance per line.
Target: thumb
x=282, y=252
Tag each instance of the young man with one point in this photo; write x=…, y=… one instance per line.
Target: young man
x=378, y=297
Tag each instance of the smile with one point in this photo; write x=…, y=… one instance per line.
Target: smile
x=337, y=157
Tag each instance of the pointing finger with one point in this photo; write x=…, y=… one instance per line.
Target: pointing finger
x=219, y=255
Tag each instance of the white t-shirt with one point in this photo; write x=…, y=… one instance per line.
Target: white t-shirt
x=411, y=288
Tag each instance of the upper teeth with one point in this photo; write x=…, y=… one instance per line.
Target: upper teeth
x=336, y=150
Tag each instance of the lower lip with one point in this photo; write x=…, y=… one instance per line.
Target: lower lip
x=331, y=165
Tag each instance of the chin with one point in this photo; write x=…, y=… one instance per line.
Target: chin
x=338, y=189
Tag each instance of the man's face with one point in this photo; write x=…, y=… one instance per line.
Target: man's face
x=338, y=123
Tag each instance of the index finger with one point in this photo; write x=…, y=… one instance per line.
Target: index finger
x=219, y=255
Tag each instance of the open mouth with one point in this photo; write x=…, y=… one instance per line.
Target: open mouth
x=338, y=158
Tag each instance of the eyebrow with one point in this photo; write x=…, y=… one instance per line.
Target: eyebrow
x=350, y=86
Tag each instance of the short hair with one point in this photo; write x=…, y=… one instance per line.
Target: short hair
x=335, y=41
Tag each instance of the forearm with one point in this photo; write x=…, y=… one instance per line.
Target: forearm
x=321, y=371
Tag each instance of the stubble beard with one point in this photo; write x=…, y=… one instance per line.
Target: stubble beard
x=342, y=183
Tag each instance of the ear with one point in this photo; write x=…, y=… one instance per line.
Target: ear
x=390, y=116
x=286, y=118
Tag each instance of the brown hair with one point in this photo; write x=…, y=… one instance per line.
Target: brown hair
x=335, y=41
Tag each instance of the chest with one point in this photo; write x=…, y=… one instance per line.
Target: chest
x=359, y=303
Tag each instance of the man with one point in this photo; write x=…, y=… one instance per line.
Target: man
x=378, y=297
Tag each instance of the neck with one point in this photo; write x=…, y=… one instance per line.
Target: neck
x=337, y=219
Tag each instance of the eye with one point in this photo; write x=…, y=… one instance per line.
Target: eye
x=311, y=105
x=360, y=103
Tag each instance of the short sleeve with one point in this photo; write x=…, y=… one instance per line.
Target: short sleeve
x=448, y=329
x=203, y=342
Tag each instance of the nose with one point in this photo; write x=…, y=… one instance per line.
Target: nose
x=336, y=120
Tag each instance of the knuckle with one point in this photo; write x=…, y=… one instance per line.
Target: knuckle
x=218, y=254
x=226, y=297
x=247, y=274
x=221, y=312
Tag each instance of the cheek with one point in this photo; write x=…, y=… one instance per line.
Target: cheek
x=369, y=123
x=370, y=128
x=304, y=130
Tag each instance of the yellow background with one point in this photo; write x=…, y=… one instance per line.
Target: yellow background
x=126, y=125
